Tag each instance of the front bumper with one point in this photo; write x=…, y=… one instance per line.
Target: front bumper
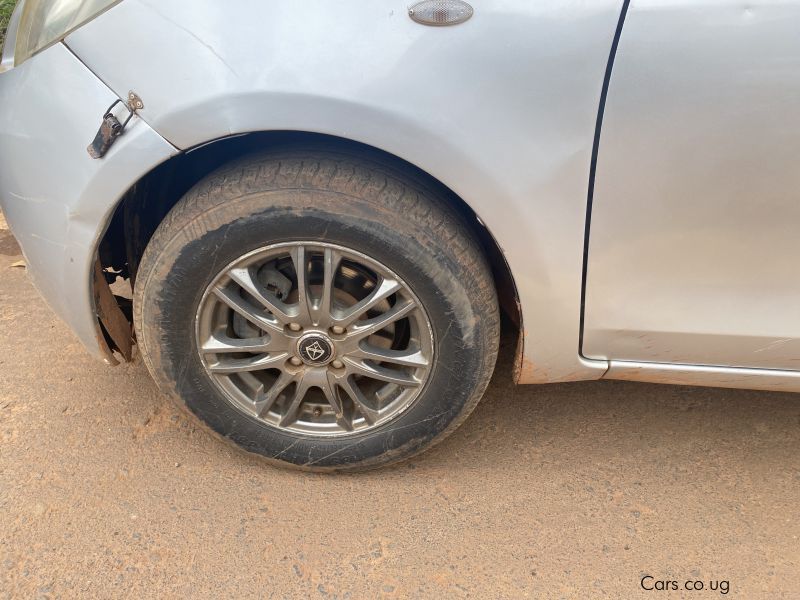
x=57, y=200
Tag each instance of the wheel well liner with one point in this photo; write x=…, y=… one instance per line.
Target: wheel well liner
x=148, y=201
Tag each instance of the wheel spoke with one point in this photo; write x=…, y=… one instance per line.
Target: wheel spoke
x=332, y=395
x=222, y=344
x=290, y=416
x=249, y=312
x=246, y=278
x=370, y=414
x=266, y=400
x=368, y=327
x=254, y=363
x=404, y=358
x=321, y=310
x=357, y=367
x=386, y=288
x=300, y=261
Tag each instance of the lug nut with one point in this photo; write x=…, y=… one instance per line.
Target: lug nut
x=295, y=361
x=337, y=364
x=337, y=329
x=295, y=326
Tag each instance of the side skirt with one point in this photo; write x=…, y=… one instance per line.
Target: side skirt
x=702, y=375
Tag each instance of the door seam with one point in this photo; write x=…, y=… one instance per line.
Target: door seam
x=593, y=167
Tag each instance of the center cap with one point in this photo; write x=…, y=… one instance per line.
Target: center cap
x=315, y=349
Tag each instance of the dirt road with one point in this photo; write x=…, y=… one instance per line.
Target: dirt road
x=577, y=490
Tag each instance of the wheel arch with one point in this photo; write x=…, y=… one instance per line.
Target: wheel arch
x=145, y=204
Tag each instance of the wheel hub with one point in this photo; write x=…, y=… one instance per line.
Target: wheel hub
x=315, y=349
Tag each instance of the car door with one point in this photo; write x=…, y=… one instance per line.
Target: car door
x=695, y=218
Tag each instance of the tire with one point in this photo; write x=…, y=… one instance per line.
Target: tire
x=320, y=204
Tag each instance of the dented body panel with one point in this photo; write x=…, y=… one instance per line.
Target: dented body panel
x=56, y=198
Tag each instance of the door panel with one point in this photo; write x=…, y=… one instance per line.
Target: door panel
x=695, y=231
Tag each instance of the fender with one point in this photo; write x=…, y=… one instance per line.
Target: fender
x=501, y=109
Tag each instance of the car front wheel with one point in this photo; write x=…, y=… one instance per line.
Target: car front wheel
x=322, y=311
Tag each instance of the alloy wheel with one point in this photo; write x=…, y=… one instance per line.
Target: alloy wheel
x=314, y=339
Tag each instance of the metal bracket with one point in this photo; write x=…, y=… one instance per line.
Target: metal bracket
x=134, y=102
x=111, y=128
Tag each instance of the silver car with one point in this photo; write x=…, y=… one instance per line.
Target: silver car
x=322, y=209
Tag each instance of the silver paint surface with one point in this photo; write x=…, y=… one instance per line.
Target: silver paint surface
x=694, y=237
x=57, y=199
x=775, y=380
x=693, y=221
x=501, y=109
